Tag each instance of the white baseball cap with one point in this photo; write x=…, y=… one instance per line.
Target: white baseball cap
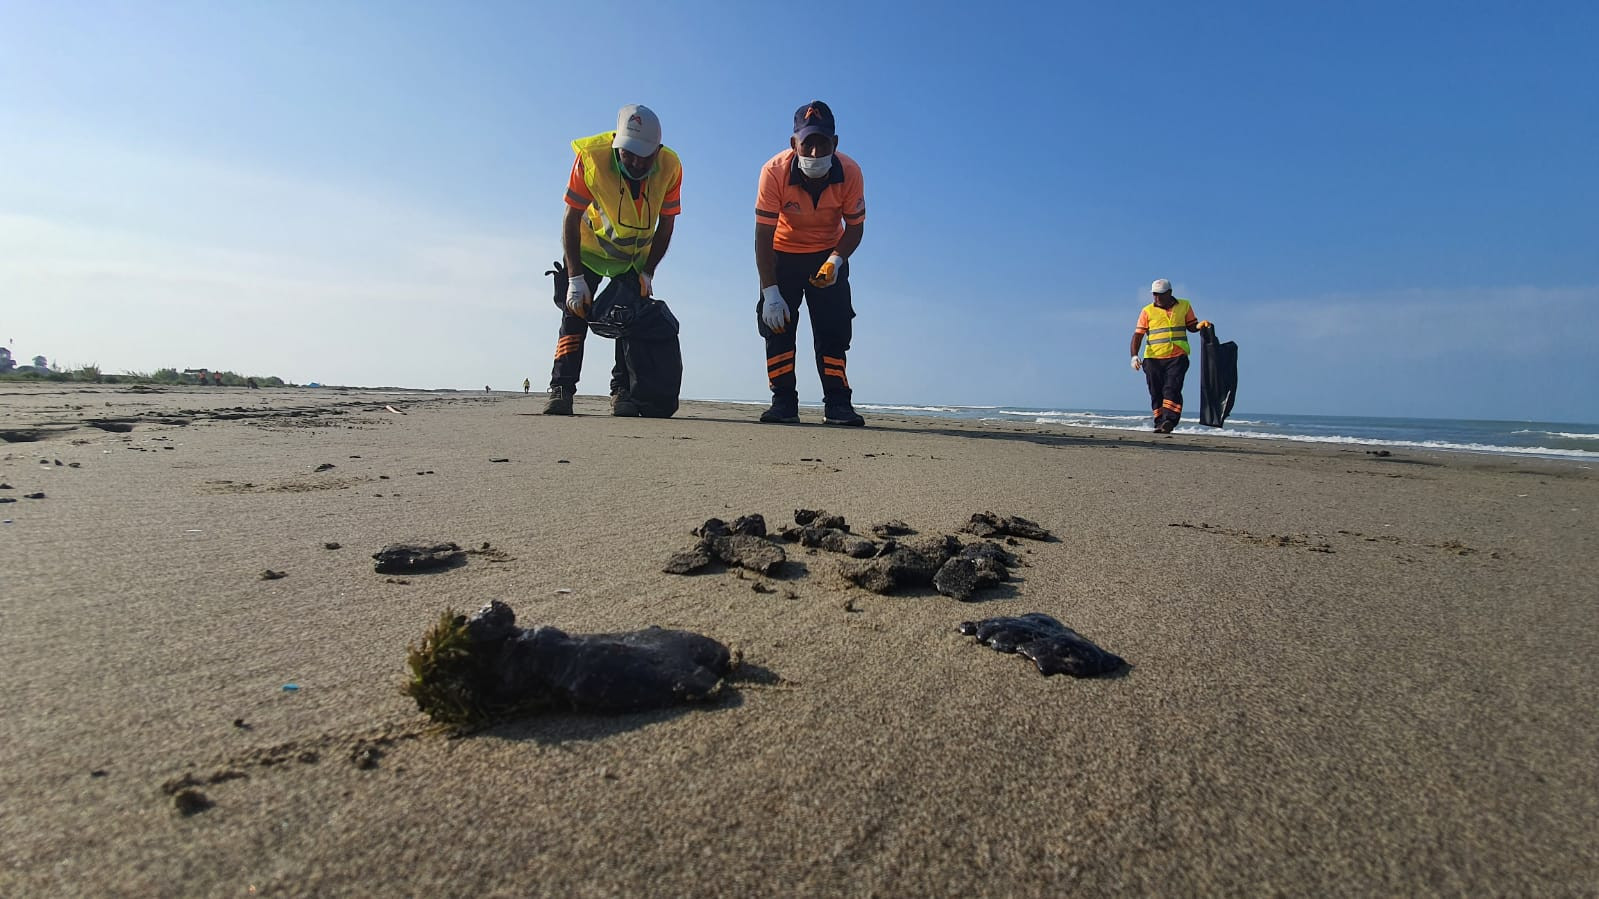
x=1161, y=285
x=638, y=130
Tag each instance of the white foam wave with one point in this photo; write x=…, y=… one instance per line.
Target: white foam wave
x=1564, y=435
x=1053, y=415
x=1542, y=451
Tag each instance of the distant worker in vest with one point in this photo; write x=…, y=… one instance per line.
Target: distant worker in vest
x=1166, y=323
x=622, y=200
x=810, y=213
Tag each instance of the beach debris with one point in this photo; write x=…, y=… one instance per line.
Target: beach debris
x=99, y=772
x=689, y=560
x=743, y=544
x=366, y=757
x=291, y=688
x=959, y=578
x=819, y=518
x=324, y=466
x=22, y=436
x=563, y=461
x=241, y=724
x=270, y=575
x=110, y=424
x=1052, y=646
x=752, y=525
x=191, y=802
x=499, y=460
x=470, y=670
x=1381, y=454
x=907, y=564
x=6, y=487
x=987, y=524
x=563, y=591
x=39, y=495
x=405, y=558
x=7, y=499
x=755, y=554
x=394, y=410
x=835, y=540
x=332, y=544
x=403, y=582
x=891, y=528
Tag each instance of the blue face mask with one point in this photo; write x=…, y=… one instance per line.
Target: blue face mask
x=815, y=167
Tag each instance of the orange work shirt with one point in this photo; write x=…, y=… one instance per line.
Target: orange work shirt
x=807, y=222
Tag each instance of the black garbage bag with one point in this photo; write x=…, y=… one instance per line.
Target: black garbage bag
x=1218, y=385
x=646, y=330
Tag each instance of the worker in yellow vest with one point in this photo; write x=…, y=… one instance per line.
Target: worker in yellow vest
x=622, y=200
x=1166, y=323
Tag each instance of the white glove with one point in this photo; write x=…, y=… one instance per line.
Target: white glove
x=774, y=311
x=827, y=275
x=1138, y=364
x=646, y=285
x=577, y=295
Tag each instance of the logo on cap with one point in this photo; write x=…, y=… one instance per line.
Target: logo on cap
x=635, y=119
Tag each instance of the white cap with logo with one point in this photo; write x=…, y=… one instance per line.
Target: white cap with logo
x=1161, y=285
x=638, y=130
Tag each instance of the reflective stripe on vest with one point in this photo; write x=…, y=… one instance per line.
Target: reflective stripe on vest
x=1168, y=331
x=617, y=235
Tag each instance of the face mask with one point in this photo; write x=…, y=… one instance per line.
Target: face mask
x=617, y=159
x=812, y=167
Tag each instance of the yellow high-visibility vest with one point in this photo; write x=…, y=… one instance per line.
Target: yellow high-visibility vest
x=617, y=235
x=1168, y=331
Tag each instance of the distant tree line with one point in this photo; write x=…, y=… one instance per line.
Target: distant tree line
x=91, y=374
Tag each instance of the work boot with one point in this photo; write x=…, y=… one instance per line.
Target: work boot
x=560, y=401
x=842, y=413
x=783, y=411
x=622, y=405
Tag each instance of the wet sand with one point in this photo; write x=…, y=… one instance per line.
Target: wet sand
x=1350, y=674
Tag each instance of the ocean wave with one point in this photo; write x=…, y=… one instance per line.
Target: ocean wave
x=1054, y=415
x=1487, y=448
x=883, y=407
x=1564, y=435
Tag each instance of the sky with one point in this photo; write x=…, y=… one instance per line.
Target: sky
x=1389, y=206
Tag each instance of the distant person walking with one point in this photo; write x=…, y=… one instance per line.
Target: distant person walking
x=1166, y=322
x=527, y=385
x=622, y=200
x=810, y=214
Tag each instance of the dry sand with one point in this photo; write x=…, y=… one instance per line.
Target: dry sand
x=1352, y=674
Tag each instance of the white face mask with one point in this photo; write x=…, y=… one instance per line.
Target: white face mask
x=813, y=167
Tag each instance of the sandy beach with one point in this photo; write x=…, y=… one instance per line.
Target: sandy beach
x=1350, y=674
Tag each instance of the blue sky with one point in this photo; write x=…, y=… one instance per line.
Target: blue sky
x=1388, y=205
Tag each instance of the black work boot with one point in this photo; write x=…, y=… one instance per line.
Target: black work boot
x=840, y=412
x=784, y=410
x=560, y=401
x=622, y=405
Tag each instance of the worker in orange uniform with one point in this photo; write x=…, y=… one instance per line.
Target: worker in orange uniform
x=622, y=200
x=1166, y=323
x=810, y=213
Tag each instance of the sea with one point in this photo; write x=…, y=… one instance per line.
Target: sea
x=1542, y=439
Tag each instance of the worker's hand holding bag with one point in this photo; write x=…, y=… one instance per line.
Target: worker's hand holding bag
x=578, y=296
x=774, y=311
x=827, y=275
x=1138, y=364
